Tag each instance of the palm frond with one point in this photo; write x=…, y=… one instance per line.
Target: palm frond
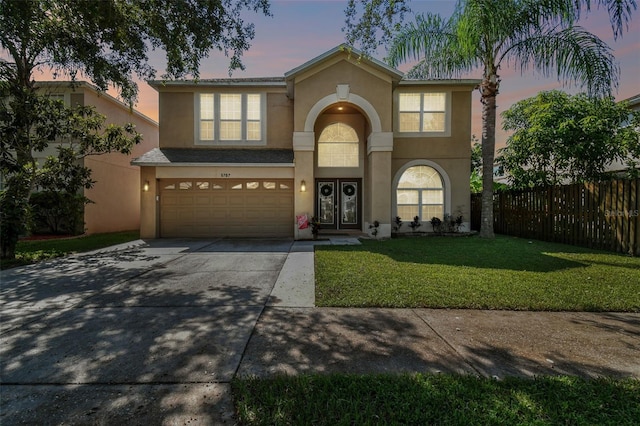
x=619, y=14
x=573, y=54
x=429, y=33
x=433, y=43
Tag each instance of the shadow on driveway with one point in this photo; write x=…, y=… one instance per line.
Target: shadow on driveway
x=152, y=331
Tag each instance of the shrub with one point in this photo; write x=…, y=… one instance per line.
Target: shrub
x=58, y=212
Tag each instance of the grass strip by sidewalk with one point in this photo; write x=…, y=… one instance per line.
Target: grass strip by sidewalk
x=28, y=252
x=470, y=272
x=434, y=399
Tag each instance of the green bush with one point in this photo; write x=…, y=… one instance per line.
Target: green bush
x=58, y=212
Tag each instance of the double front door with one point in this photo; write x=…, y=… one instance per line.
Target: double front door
x=338, y=203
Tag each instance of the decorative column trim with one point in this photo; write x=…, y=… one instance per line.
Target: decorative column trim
x=342, y=92
x=304, y=141
x=380, y=141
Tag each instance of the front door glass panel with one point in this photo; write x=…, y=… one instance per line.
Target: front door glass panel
x=349, y=203
x=326, y=203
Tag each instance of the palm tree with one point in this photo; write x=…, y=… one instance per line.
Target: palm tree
x=488, y=35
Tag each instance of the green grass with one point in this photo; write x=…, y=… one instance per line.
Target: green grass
x=475, y=273
x=435, y=400
x=28, y=252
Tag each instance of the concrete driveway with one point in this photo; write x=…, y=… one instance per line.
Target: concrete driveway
x=146, y=332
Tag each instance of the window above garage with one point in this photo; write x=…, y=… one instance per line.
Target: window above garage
x=231, y=119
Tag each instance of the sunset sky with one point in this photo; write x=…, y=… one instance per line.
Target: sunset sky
x=300, y=30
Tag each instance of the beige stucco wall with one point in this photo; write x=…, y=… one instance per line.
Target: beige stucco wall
x=375, y=88
x=116, y=193
x=379, y=183
x=304, y=201
x=455, y=146
x=176, y=116
x=178, y=121
x=148, y=203
x=279, y=121
x=452, y=153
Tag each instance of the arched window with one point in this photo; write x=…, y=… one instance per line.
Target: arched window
x=338, y=146
x=420, y=193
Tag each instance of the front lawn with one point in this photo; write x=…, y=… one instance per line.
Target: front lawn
x=470, y=272
x=28, y=252
x=435, y=400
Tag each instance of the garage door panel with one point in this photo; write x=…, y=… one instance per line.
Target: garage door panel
x=202, y=214
x=171, y=200
x=219, y=201
x=236, y=200
x=213, y=208
x=218, y=215
x=254, y=214
x=203, y=200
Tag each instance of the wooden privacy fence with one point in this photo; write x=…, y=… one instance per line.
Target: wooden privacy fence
x=597, y=215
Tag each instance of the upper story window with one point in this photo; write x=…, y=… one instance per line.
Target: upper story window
x=57, y=96
x=338, y=146
x=421, y=114
x=231, y=118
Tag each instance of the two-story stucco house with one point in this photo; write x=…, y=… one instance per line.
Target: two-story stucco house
x=342, y=138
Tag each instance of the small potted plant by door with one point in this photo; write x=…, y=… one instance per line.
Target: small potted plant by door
x=315, y=227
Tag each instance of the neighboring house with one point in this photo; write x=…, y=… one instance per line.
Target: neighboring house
x=342, y=138
x=619, y=167
x=116, y=193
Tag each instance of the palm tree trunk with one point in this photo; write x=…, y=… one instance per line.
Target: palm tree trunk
x=489, y=91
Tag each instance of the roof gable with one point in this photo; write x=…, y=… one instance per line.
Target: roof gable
x=343, y=52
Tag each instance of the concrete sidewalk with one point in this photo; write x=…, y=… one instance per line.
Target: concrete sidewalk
x=153, y=332
x=484, y=343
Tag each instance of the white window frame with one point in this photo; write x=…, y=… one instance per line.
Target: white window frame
x=446, y=185
x=447, y=115
x=64, y=96
x=243, y=141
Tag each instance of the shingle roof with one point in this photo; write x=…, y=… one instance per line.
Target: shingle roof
x=215, y=82
x=203, y=156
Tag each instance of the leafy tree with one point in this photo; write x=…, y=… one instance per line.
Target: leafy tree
x=29, y=122
x=106, y=42
x=559, y=138
x=487, y=35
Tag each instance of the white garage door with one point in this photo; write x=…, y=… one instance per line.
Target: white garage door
x=226, y=208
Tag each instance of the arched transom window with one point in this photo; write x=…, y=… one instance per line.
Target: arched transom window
x=420, y=193
x=338, y=146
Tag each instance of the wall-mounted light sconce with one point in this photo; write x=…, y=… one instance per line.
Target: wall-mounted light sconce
x=303, y=186
x=145, y=187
